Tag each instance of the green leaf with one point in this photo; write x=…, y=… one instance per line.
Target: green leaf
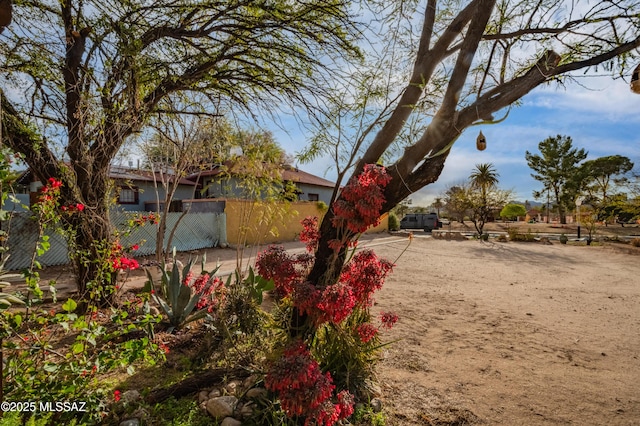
x=51, y=368
x=77, y=347
x=70, y=305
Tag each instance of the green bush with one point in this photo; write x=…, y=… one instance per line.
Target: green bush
x=514, y=235
x=394, y=222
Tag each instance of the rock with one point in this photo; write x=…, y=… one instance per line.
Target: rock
x=141, y=414
x=246, y=411
x=250, y=382
x=230, y=421
x=214, y=393
x=130, y=422
x=203, y=396
x=256, y=393
x=130, y=396
x=233, y=387
x=371, y=389
x=376, y=405
x=221, y=406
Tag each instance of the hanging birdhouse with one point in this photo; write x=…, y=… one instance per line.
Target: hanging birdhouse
x=481, y=142
x=635, y=80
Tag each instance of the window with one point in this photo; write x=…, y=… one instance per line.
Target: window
x=314, y=197
x=128, y=195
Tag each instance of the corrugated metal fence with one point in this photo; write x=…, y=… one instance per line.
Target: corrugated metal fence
x=195, y=231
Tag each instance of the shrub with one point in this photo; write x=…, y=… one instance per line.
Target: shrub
x=514, y=235
x=502, y=238
x=635, y=242
x=394, y=222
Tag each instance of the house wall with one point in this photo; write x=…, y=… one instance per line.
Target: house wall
x=147, y=196
x=228, y=188
x=324, y=193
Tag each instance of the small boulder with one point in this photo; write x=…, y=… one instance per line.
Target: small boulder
x=221, y=406
x=256, y=393
x=203, y=396
x=230, y=421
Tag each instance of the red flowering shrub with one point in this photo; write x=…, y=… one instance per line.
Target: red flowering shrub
x=366, y=332
x=365, y=274
x=336, y=303
x=304, y=390
x=310, y=233
x=119, y=261
x=212, y=291
x=276, y=264
x=361, y=200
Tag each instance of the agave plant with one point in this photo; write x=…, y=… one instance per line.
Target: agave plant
x=6, y=299
x=175, y=295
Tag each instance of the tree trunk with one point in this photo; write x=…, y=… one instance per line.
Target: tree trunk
x=91, y=241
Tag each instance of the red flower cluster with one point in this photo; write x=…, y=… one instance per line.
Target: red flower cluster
x=54, y=183
x=50, y=192
x=121, y=262
x=73, y=208
x=212, y=292
x=140, y=220
x=303, y=389
x=361, y=200
x=285, y=269
x=124, y=262
x=310, y=233
x=365, y=274
x=276, y=264
x=360, y=278
x=116, y=395
x=366, y=332
x=388, y=319
x=336, y=303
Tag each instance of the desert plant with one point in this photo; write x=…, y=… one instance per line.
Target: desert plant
x=635, y=242
x=322, y=206
x=6, y=300
x=563, y=239
x=514, y=235
x=394, y=222
x=502, y=238
x=179, y=294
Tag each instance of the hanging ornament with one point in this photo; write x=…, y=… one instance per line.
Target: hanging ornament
x=635, y=80
x=481, y=142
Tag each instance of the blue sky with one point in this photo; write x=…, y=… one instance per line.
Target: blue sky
x=604, y=120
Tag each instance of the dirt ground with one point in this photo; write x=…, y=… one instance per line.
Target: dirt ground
x=500, y=333
x=511, y=334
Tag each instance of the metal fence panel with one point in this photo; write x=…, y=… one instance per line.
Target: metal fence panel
x=194, y=231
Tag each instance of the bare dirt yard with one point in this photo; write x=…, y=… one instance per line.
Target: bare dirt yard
x=511, y=334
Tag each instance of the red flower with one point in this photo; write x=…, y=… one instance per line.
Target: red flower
x=116, y=395
x=80, y=207
x=365, y=274
x=135, y=247
x=54, y=183
x=388, y=319
x=336, y=303
x=310, y=233
x=366, y=332
x=361, y=200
